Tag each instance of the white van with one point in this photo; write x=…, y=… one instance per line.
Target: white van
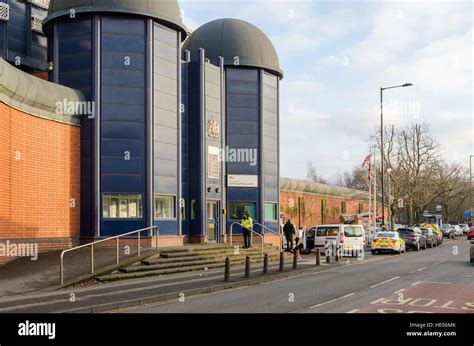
x=350, y=238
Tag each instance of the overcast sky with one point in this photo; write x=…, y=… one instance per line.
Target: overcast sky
x=337, y=54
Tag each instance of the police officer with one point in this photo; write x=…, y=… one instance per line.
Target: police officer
x=247, y=225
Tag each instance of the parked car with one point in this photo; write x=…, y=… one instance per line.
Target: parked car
x=448, y=230
x=470, y=233
x=431, y=237
x=435, y=229
x=472, y=251
x=351, y=238
x=413, y=238
x=458, y=231
x=388, y=241
x=464, y=227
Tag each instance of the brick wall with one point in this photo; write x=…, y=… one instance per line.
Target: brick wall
x=310, y=212
x=39, y=177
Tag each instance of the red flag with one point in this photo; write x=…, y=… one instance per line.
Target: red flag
x=368, y=164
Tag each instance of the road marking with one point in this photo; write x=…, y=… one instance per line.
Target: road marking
x=419, y=270
x=386, y=281
x=435, y=264
x=352, y=311
x=333, y=300
x=416, y=283
x=377, y=301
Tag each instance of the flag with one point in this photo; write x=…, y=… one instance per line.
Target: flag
x=368, y=164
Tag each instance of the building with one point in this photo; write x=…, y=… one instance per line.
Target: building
x=140, y=126
x=23, y=42
x=308, y=204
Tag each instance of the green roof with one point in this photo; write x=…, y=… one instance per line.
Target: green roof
x=36, y=96
x=231, y=38
x=166, y=11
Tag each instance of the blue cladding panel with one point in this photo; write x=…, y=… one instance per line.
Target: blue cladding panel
x=75, y=71
x=165, y=123
x=116, y=227
x=123, y=107
x=242, y=116
x=270, y=137
x=167, y=227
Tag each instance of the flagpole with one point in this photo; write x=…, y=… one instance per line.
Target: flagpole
x=370, y=194
x=375, y=188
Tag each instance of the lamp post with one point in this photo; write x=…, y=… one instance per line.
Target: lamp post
x=381, y=141
x=389, y=199
x=470, y=187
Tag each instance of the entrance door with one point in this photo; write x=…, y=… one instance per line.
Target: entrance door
x=213, y=222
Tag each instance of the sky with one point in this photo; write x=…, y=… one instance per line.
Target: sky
x=337, y=54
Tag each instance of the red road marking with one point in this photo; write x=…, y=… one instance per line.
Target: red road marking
x=426, y=297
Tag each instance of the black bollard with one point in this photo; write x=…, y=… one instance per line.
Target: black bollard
x=265, y=264
x=318, y=259
x=247, y=267
x=337, y=253
x=295, y=259
x=282, y=261
x=328, y=259
x=227, y=270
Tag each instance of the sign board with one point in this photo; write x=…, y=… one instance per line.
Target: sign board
x=234, y=180
x=439, y=207
x=467, y=214
x=213, y=170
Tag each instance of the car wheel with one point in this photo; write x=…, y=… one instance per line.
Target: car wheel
x=373, y=252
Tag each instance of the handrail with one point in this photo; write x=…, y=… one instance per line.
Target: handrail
x=251, y=230
x=231, y=230
x=105, y=240
x=265, y=228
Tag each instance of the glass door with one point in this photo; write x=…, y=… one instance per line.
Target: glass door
x=212, y=222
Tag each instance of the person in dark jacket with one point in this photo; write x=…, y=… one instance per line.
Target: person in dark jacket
x=289, y=232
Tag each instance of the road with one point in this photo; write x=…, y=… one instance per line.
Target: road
x=433, y=280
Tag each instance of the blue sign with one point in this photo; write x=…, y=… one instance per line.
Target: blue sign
x=467, y=214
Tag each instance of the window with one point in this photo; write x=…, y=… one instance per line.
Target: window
x=193, y=210
x=4, y=11
x=117, y=206
x=237, y=210
x=353, y=231
x=343, y=207
x=165, y=207
x=270, y=212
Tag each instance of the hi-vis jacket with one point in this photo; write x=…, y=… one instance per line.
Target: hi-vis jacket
x=247, y=223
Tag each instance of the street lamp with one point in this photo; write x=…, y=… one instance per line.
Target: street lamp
x=470, y=187
x=381, y=141
x=389, y=170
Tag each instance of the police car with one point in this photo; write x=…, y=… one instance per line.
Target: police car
x=388, y=242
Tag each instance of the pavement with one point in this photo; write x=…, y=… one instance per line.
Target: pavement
x=433, y=280
x=24, y=275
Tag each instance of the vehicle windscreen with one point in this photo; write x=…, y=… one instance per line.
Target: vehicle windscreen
x=352, y=231
x=386, y=235
x=425, y=231
x=406, y=231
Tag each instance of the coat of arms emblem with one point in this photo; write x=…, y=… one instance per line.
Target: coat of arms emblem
x=213, y=129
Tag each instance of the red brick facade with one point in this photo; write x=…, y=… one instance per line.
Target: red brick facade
x=39, y=178
x=307, y=209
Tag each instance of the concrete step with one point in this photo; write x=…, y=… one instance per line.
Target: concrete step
x=142, y=274
x=210, y=260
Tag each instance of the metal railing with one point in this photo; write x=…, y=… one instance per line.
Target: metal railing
x=91, y=245
x=232, y=231
x=265, y=228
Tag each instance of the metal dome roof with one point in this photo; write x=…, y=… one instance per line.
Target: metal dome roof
x=166, y=11
x=230, y=38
